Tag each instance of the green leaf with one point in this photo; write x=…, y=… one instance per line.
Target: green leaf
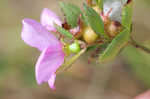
x=100, y=4
x=94, y=21
x=115, y=46
x=84, y=19
x=63, y=31
x=127, y=15
x=71, y=12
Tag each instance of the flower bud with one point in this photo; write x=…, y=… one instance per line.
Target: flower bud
x=89, y=35
x=114, y=28
x=74, y=47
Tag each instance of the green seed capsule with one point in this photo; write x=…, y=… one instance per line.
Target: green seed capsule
x=74, y=47
x=89, y=35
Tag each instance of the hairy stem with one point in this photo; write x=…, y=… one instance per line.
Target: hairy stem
x=137, y=45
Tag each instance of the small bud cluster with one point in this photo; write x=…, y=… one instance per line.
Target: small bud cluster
x=90, y=29
x=87, y=35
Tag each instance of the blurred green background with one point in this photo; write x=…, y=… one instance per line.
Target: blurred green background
x=124, y=78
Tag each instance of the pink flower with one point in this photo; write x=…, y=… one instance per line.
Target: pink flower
x=145, y=95
x=39, y=36
x=48, y=18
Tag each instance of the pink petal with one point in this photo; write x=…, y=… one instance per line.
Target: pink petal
x=51, y=81
x=49, y=61
x=48, y=18
x=35, y=35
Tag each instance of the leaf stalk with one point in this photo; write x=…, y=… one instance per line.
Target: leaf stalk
x=138, y=45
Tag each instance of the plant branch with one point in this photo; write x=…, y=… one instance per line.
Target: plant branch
x=137, y=45
x=68, y=64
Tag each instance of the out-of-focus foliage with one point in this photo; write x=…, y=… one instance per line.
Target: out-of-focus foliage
x=3, y=65
x=139, y=62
